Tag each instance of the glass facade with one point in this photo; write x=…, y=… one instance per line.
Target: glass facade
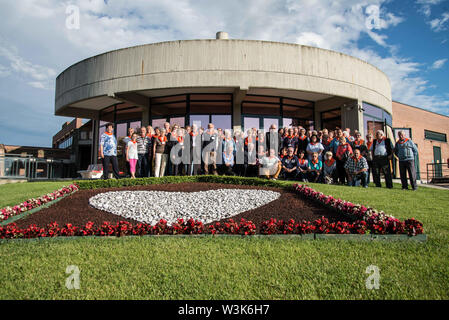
x=436, y=136
x=67, y=143
x=331, y=119
x=257, y=111
x=262, y=111
x=250, y=122
x=375, y=118
x=201, y=121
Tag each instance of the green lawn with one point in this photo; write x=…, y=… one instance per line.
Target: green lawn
x=242, y=268
x=14, y=193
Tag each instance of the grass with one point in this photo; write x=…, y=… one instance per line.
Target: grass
x=15, y=193
x=242, y=268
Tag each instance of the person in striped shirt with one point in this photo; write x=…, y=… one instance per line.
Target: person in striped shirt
x=143, y=152
x=357, y=169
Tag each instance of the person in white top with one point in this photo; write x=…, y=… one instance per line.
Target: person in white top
x=270, y=166
x=132, y=155
x=314, y=146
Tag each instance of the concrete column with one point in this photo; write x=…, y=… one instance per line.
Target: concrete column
x=95, y=137
x=239, y=95
x=146, y=115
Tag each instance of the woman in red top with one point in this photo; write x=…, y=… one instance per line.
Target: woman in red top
x=344, y=151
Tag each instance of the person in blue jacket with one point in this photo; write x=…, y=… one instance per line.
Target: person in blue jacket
x=406, y=152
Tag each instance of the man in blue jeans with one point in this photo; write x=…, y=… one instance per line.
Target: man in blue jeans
x=406, y=152
x=357, y=169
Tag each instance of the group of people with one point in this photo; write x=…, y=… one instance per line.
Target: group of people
x=325, y=156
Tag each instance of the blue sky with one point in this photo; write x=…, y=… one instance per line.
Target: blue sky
x=408, y=40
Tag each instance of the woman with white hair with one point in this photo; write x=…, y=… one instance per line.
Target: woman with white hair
x=330, y=174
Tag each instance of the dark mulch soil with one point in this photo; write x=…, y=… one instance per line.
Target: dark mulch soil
x=75, y=209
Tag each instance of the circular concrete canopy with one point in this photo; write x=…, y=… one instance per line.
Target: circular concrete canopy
x=217, y=65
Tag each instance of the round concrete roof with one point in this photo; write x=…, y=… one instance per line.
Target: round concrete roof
x=217, y=65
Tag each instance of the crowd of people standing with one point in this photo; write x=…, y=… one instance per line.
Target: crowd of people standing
x=324, y=156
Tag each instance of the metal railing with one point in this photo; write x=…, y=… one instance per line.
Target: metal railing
x=437, y=172
x=14, y=166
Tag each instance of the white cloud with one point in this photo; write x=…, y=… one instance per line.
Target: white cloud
x=4, y=71
x=425, y=6
x=438, y=64
x=336, y=25
x=439, y=24
x=407, y=84
x=41, y=77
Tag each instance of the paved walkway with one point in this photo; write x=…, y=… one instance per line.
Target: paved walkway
x=423, y=183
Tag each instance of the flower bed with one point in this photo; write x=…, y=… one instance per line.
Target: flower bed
x=30, y=204
x=364, y=219
x=230, y=227
x=124, y=228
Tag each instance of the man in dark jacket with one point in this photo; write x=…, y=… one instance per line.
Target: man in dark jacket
x=382, y=154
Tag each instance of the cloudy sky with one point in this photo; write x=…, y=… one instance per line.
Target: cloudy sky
x=408, y=40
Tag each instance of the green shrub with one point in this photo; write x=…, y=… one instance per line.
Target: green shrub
x=113, y=183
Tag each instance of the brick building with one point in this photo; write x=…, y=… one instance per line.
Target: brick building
x=429, y=130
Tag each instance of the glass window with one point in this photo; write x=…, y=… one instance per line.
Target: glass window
x=180, y=121
x=177, y=108
x=210, y=107
x=297, y=112
x=287, y=122
x=168, y=99
x=267, y=122
x=260, y=108
x=135, y=125
x=158, y=123
x=250, y=122
x=199, y=120
x=222, y=121
x=331, y=114
x=436, y=136
x=331, y=119
x=299, y=103
x=372, y=110
x=121, y=130
x=101, y=131
x=128, y=113
x=209, y=97
x=275, y=100
x=372, y=125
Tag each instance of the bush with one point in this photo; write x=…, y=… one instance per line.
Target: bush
x=127, y=182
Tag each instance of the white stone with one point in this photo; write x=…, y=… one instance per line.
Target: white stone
x=205, y=206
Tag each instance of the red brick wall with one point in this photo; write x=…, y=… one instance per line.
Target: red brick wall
x=418, y=120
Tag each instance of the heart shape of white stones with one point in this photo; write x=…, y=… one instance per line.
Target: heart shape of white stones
x=205, y=206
